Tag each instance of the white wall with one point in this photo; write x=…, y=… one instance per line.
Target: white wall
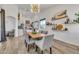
x=71, y=10
x=10, y=23
x=72, y=35
x=23, y=19
x=11, y=10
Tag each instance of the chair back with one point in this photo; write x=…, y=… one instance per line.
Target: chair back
x=48, y=41
x=25, y=35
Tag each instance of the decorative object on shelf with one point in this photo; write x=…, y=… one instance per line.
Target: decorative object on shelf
x=53, y=26
x=27, y=22
x=66, y=29
x=53, y=18
x=18, y=16
x=67, y=20
x=60, y=15
x=59, y=27
x=48, y=23
x=77, y=20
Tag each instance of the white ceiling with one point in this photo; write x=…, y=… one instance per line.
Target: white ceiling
x=28, y=6
x=25, y=9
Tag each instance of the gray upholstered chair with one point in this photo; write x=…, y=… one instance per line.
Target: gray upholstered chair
x=28, y=41
x=45, y=43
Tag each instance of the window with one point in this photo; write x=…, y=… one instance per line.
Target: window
x=42, y=24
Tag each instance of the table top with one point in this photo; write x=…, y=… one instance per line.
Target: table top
x=34, y=36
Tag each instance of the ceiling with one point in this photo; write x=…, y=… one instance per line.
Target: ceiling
x=25, y=9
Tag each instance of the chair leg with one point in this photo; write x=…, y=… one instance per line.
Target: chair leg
x=41, y=52
x=28, y=48
x=26, y=44
x=33, y=45
x=36, y=48
x=50, y=50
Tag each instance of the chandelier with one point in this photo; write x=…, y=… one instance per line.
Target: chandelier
x=35, y=8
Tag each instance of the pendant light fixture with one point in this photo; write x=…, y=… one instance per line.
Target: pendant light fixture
x=35, y=8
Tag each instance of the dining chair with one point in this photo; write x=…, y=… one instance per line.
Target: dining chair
x=45, y=43
x=28, y=41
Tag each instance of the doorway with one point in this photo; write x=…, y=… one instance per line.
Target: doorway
x=2, y=25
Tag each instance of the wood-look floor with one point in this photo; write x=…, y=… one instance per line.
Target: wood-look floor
x=17, y=46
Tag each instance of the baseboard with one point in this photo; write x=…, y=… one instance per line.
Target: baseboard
x=3, y=40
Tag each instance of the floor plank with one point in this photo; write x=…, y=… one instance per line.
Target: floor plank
x=17, y=46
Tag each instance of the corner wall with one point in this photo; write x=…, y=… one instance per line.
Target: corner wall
x=71, y=10
x=11, y=10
